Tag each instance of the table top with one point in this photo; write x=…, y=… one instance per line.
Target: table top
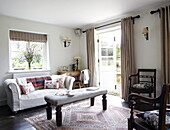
x=75, y=95
x=70, y=73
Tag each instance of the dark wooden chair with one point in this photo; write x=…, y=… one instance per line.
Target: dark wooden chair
x=145, y=82
x=81, y=81
x=78, y=83
x=139, y=124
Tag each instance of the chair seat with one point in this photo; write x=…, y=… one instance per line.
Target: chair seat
x=78, y=84
x=152, y=118
x=142, y=86
x=140, y=124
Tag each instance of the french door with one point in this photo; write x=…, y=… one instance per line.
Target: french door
x=109, y=60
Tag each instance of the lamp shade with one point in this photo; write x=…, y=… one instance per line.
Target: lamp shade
x=77, y=57
x=144, y=31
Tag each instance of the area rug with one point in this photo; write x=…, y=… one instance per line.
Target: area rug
x=81, y=116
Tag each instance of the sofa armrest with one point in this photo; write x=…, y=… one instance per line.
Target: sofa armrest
x=13, y=94
x=69, y=82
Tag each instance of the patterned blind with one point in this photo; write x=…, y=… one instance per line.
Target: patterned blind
x=26, y=36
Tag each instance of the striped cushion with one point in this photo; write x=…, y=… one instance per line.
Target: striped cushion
x=38, y=81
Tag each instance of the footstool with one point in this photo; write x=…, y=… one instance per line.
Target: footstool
x=80, y=94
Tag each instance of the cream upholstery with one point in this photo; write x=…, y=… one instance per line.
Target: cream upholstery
x=80, y=94
x=17, y=101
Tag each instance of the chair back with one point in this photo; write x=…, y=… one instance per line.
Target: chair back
x=152, y=119
x=147, y=76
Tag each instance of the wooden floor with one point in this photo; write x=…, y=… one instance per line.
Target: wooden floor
x=17, y=122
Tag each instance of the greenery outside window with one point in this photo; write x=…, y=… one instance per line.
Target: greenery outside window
x=20, y=42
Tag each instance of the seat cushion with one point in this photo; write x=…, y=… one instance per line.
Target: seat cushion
x=36, y=98
x=142, y=86
x=152, y=118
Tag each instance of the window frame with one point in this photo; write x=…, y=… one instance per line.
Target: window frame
x=45, y=54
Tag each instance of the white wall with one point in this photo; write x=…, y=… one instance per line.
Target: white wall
x=58, y=55
x=147, y=53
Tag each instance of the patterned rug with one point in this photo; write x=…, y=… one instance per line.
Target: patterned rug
x=81, y=116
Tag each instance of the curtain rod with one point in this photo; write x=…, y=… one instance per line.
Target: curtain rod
x=155, y=11
x=133, y=18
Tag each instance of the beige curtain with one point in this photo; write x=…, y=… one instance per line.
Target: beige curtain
x=165, y=43
x=26, y=36
x=91, y=54
x=127, y=54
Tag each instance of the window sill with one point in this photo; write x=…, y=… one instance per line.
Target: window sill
x=28, y=71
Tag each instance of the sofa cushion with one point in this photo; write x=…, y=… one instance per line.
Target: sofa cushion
x=50, y=84
x=32, y=80
x=27, y=88
x=21, y=81
x=60, y=79
x=38, y=82
x=36, y=98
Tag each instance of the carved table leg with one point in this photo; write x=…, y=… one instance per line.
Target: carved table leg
x=58, y=116
x=131, y=119
x=104, y=102
x=49, y=111
x=92, y=101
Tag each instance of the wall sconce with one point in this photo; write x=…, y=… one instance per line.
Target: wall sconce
x=66, y=41
x=145, y=33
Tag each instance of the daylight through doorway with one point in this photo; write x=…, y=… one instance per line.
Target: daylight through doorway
x=109, y=60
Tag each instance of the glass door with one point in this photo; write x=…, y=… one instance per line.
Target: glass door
x=109, y=60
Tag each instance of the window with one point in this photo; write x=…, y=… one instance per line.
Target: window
x=20, y=43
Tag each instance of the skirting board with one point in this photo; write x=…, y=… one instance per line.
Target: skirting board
x=3, y=102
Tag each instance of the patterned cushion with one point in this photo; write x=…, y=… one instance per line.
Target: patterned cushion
x=142, y=86
x=38, y=81
x=27, y=88
x=152, y=118
x=60, y=79
x=21, y=81
x=51, y=84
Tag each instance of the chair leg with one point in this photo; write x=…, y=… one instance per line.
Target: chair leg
x=130, y=127
x=82, y=85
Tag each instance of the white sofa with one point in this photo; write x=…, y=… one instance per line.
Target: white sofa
x=18, y=101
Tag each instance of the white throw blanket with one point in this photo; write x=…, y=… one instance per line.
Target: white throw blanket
x=86, y=76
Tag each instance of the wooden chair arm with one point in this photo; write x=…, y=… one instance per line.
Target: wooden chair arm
x=146, y=99
x=133, y=75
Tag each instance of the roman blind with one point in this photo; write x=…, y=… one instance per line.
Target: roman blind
x=26, y=36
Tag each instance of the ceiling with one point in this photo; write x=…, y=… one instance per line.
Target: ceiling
x=72, y=13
